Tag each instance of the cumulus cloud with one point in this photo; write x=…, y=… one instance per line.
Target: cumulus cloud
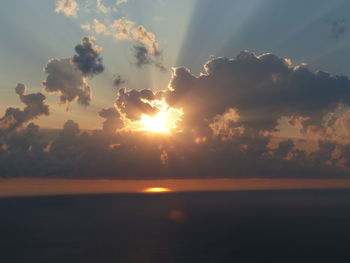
x=262, y=89
x=88, y=58
x=125, y=27
x=68, y=76
x=15, y=118
x=146, y=51
x=134, y=103
x=230, y=126
x=112, y=120
x=64, y=78
x=68, y=7
x=147, y=38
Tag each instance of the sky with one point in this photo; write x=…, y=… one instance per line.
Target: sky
x=175, y=89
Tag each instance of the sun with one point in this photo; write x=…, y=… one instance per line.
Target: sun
x=158, y=123
x=164, y=121
x=156, y=190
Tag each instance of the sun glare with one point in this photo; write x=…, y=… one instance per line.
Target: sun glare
x=156, y=190
x=154, y=124
x=164, y=121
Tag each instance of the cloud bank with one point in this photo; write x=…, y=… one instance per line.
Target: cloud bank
x=240, y=119
x=15, y=118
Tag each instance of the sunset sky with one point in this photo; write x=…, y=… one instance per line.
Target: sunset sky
x=153, y=131
x=108, y=89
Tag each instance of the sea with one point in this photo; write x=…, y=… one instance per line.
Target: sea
x=223, y=226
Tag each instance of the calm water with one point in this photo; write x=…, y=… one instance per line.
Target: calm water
x=251, y=226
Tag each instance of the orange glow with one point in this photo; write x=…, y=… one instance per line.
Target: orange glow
x=45, y=187
x=156, y=190
x=199, y=140
x=164, y=121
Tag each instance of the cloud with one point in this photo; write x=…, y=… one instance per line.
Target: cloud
x=104, y=9
x=146, y=51
x=142, y=58
x=86, y=27
x=128, y=30
x=112, y=120
x=64, y=78
x=141, y=55
x=230, y=127
x=147, y=38
x=68, y=7
x=134, y=103
x=283, y=149
x=125, y=27
x=88, y=58
x=68, y=76
x=145, y=48
x=27, y=140
x=99, y=27
x=119, y=2
x=118, y=81
x=226, y=126
x=15, y=118
x=262, y=89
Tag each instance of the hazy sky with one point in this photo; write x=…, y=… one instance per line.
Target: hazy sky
x=180, y=89
x=188, y=33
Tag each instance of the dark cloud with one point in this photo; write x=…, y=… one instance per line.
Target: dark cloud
x=134, y=102
x=262, y=89
x=28, y=140
x=88, y=59
x=118, y=81
x=230, y=127
x=66, y=139
x=284, y=148
x=64, y=78
x=68, y=76
x=143, y=57
x=146, y=51
x=112, y=120
x=15, y=118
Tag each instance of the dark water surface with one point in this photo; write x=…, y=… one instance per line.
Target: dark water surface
x=247, y=226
